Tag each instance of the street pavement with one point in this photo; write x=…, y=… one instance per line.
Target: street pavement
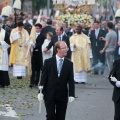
x=93, y=101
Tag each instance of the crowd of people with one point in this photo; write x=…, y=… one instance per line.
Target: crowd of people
x=28, y=43
x=31, y=41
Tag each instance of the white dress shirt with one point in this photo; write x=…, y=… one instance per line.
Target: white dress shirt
x=60, y=37
x=37, y=34
x=96, y=32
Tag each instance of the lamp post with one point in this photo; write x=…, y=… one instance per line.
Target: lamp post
x=48, y=7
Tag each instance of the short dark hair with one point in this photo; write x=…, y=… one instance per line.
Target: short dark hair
x=97, y=22
x=57, y=46
x=61, y=28
x=38, y=25
x=20, y=24
x=49, y=22
x=110, y=25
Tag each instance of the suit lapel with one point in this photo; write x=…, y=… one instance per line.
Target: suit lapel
x=94, y=34
x=55, y=65
x=98, y=34
x=63, y=70
x=37, y=37
x=117, y=34
x=63, y=38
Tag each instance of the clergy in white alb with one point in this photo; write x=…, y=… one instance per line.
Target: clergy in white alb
x=19, y=39
x=80, y=47
x=4, y=66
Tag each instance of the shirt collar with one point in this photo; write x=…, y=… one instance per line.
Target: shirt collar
x=97, y=29
x=60, y=35
x=57, y=58
x=37, y=33
x=64, y=33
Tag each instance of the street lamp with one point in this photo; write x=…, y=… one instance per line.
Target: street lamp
x=16, y=6
x=48, y=7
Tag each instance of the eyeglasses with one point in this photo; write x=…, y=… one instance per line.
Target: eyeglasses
x=66, y=48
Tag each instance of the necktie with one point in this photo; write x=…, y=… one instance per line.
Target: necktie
x=59, y=38
x=60, y=66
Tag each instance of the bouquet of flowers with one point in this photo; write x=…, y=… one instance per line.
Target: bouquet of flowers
x=74, y=19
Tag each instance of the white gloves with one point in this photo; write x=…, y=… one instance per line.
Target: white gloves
x=113, y=79
x=118, y=83
x=32, y=44
x=40, y=95
x=71, y=99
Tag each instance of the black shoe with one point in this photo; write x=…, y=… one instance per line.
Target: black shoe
x=31, y=85
x=76, y=82
x=95, y=73
x=82, y=83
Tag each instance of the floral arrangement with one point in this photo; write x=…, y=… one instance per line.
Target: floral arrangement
x=73, y=19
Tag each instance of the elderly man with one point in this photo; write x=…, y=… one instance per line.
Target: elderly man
x=4, y=45
x=55, y=81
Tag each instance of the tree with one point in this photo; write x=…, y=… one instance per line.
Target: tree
x=39, y=4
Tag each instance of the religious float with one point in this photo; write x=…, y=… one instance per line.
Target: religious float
x=74, y=11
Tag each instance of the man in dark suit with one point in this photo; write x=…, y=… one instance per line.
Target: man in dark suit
x=48, y=28
x=117, y=56
x=37, y=59
x=55, y=81
x=59, y=37
x=97, y=45
x=114, y=79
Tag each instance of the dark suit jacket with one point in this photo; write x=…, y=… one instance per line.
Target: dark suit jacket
x=94, y=41
x=55, y=88
x=38, y=46
x=47, y=29
x=55, y=39
x=85, y=31
x=117, y=34
x=115, y=73
x=97, y=45
x=117, y=47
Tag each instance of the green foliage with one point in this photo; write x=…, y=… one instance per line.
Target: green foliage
x=38, y=4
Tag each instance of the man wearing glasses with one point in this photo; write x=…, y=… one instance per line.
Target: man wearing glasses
x=56, y=81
